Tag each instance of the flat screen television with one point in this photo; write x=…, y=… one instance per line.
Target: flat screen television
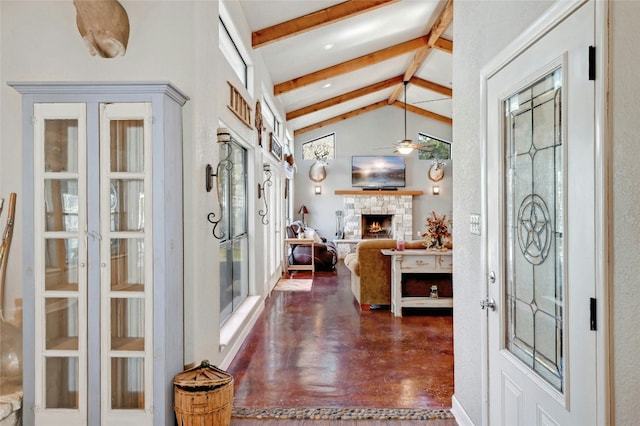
x=378, y=172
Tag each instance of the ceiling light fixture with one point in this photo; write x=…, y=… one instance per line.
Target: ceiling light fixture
x=326, y=85
x=405, y=146
x=328, y=46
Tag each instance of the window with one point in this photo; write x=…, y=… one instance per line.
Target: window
x=271, y=118
x=234, y=246
x=232, y=53
x=441, y=149
x=321, y=148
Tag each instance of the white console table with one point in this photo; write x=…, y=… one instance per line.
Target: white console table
x=417, y=261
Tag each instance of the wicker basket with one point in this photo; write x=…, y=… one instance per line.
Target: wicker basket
x=203, y=396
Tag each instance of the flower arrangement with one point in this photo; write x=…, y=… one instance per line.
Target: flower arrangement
x=437, y=230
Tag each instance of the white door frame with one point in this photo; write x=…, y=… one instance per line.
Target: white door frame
x=556, y=14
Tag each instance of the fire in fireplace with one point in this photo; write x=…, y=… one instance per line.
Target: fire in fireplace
x=377, y=226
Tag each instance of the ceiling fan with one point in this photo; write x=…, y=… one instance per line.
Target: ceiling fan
x=407, y=146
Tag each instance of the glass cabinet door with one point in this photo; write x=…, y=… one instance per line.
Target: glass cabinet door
x=125, y=253
x=60, y=259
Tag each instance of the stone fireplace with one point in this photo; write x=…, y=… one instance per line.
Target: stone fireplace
x=376, y=226
x=395, y=207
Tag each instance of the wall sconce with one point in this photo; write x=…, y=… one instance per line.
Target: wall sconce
x=266, y=168
x=435, y=190
x=224, y=137
x=303, y=210
x=318, y=190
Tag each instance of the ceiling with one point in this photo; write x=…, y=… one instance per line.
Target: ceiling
x=364, y=49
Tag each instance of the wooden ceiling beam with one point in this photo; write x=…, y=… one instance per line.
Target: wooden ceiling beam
x=444, y=45
x=340, y=117
x=351, y=65
x=441, y=24
x=372, y=88
x=434, y=87
x=368, y=108
x=424, y=112
x=314, y=20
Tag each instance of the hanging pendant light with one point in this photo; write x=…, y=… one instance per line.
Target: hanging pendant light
x=405, y=146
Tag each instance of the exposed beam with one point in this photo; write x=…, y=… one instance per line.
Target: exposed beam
x=444, y=45
x=395, y=94
x=424, y=112
x=314, y=20
x=344, y=97
x=434, y=87
x=443, y=21
x=351, y=65
x=340, y=117
x=368, y=108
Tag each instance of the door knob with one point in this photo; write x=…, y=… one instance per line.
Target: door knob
x=492, y=277
x=488, y=303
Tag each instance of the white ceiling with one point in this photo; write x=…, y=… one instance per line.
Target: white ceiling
x=353, y=37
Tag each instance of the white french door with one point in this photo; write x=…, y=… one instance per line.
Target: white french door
x=540, y=186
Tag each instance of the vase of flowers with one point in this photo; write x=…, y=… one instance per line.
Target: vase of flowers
x=437, y=230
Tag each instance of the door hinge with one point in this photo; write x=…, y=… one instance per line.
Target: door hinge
x=592, y=62
x=593, y=322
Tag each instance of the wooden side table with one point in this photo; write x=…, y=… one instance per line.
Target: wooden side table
x=300, y=242
x=420, y=261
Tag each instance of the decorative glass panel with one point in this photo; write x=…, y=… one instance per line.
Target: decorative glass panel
x=61, y=145
x=127, y=383
x=61, y=382
x=61, y=323
x=127, y=264
x=535, y=199
x=127, y=146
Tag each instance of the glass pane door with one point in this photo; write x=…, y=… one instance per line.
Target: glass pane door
x=61, y=280
x=127, y=283
x=535, y=200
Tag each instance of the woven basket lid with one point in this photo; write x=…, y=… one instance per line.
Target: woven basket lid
x=203, y=375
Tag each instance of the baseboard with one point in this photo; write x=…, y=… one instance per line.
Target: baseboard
x=459, y=413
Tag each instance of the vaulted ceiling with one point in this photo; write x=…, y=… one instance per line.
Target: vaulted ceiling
x=332, y=60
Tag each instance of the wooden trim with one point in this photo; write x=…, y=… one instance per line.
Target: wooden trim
x=313, y=20
x=379, y=192
x=239, y=106
x=444, y=45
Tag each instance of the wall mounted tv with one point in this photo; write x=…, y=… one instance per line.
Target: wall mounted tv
x=378, y=172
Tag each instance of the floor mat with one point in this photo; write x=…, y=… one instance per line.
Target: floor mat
x=342, y=413
x=293, y=284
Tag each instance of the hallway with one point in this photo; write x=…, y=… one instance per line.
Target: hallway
x=316, y=350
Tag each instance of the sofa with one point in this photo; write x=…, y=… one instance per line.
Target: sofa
x=325, y=252
x=371, y=271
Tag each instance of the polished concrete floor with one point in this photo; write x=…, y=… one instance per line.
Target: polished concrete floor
x=317, y=349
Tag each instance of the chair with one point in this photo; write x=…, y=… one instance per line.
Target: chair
x=325, y=252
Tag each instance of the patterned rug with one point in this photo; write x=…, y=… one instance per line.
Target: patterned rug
x=293, y=284
x=342, y=413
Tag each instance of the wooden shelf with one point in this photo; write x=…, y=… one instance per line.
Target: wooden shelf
x=377, y=192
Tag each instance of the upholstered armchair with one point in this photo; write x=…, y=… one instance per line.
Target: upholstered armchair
x=324, y=252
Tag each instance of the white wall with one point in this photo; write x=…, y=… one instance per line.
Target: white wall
x=373, y=133
x=623, y=210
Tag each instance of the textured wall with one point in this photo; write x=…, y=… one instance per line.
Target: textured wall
x=625, y=174
x=481, y=30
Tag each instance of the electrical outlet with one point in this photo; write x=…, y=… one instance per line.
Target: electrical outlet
x=474, y=222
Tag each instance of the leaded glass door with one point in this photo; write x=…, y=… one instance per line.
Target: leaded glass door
x=540, y=256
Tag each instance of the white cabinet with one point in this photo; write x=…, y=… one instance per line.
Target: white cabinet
x=103, y=252
x=417, y=261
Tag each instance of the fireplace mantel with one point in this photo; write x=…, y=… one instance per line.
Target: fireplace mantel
x=379, y=192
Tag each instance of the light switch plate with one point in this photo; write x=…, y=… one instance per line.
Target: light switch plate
x=474, y=222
